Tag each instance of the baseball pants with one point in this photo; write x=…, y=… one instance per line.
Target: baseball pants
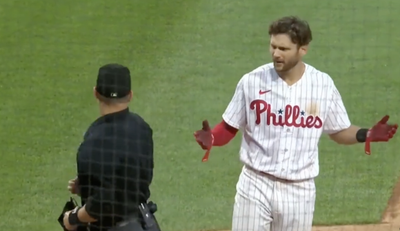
x=266, y=203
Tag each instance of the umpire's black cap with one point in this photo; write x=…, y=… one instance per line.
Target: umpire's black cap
x=113, y=81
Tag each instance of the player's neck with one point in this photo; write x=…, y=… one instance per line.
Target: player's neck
x=293, y=75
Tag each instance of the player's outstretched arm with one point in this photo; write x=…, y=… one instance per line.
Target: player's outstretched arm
x=348, y=136
x=220, y=135
x=339, y=128
x=234, y=118
x=380, y=132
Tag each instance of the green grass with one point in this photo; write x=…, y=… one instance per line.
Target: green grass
x=186, y=57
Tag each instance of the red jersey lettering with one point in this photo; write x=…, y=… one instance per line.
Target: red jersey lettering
x=292, y=116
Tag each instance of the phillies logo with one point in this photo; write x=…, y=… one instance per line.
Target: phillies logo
x=291, y=113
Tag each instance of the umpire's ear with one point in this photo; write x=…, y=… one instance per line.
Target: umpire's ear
x=95, y=93
x=130, y=95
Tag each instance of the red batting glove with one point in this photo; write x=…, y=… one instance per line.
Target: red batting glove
x=380, y=132
x=205, y=139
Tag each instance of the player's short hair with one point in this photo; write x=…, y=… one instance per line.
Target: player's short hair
x=297, y=29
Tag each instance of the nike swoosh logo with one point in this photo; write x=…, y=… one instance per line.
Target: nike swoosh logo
x=263, y=92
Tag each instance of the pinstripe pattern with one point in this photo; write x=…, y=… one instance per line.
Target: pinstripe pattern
x=266, y=203
x=281, y=128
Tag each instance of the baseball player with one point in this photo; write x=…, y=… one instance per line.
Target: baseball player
x=282, y=109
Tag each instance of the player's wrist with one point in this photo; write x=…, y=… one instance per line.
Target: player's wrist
x=362, y=135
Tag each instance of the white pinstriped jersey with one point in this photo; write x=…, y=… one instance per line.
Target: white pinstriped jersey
x=282, y=124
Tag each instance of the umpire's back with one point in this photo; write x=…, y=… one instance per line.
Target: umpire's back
x=115, y=160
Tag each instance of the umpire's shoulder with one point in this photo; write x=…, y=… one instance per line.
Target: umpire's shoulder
x=137, y=120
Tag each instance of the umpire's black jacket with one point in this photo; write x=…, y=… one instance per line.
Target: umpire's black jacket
x=115, y=167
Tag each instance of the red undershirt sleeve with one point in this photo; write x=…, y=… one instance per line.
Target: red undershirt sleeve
x=223, y=133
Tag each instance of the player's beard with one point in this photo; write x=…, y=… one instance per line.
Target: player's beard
x=287, y=65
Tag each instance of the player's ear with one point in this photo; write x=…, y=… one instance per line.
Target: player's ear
x=303, y=50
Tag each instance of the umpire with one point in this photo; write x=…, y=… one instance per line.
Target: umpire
x=114, y=162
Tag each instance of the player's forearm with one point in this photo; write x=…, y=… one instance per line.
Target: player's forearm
x=223, y=134
x=349, y=136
